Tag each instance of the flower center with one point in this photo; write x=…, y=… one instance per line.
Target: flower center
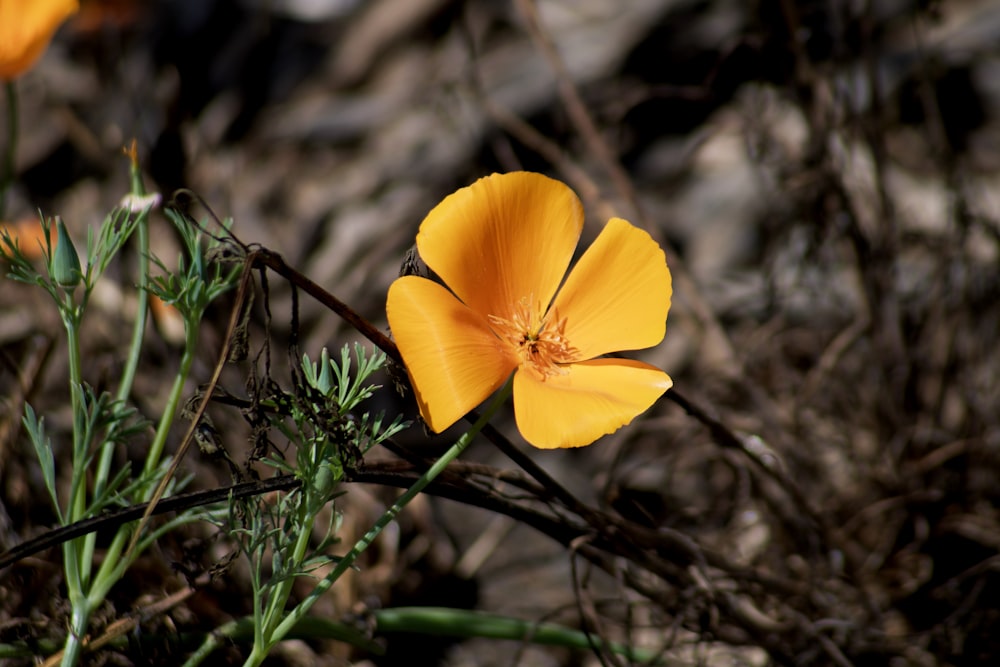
x=539, y=342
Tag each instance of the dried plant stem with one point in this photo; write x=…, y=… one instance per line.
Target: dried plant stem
x=575, y=107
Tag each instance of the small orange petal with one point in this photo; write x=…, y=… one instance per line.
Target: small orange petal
x=453, y=359
x=592, y=399
x=168, y=320
x=502, y=240
x=29, y=236
x=618, y=294
x=26, y=27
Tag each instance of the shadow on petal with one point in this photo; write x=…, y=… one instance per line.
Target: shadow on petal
x=452, y=357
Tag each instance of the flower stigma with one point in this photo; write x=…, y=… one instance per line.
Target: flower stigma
x=539, y=342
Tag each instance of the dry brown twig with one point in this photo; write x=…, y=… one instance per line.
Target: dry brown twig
x=124, y=626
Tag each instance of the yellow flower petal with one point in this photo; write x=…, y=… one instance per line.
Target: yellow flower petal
x=453, y=359
x=618, y=294
x=502, y=240
x=26, y=27
x=592, y=399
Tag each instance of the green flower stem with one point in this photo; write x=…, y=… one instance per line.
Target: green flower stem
x=139, y=326
x=276, y=601
x=260, y=651
x=112, y=568
x=173, y=400
x=142, y=310
x=446, y=622
x=212, y=642
x=85, y=592
x=8, y=162
x=435, y=621
x=77, y=505
x=78, y=499
x=78, y=553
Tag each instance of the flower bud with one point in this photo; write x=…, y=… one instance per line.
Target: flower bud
x=65, y=262
x=325, y=481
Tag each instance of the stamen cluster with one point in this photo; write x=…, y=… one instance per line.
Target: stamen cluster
x=538, y=341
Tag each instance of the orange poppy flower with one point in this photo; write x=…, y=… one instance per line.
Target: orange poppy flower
x=26, y=27
x=502, y=247
x=29, y=236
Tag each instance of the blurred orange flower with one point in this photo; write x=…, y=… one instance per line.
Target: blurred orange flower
x=29, y=236
x=502, y=247
x=26, y=27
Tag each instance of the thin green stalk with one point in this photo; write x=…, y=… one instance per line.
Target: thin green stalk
x=258, y=612
x=86, y=591
x=138, y=190
x=138, y=329
x=77, y=554
x=78, y=501
x=73, y=650
x=111, y=568
x=8, y=162
x=277, y=600
x=446, y=622
x=173, y=402
x=259, y=652
x=433, y=621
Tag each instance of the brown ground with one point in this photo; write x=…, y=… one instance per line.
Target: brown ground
x=822, y=486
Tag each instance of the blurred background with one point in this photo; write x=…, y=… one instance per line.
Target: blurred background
x=824, y=173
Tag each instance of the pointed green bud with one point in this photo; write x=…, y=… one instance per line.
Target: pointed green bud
x=65, y=262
